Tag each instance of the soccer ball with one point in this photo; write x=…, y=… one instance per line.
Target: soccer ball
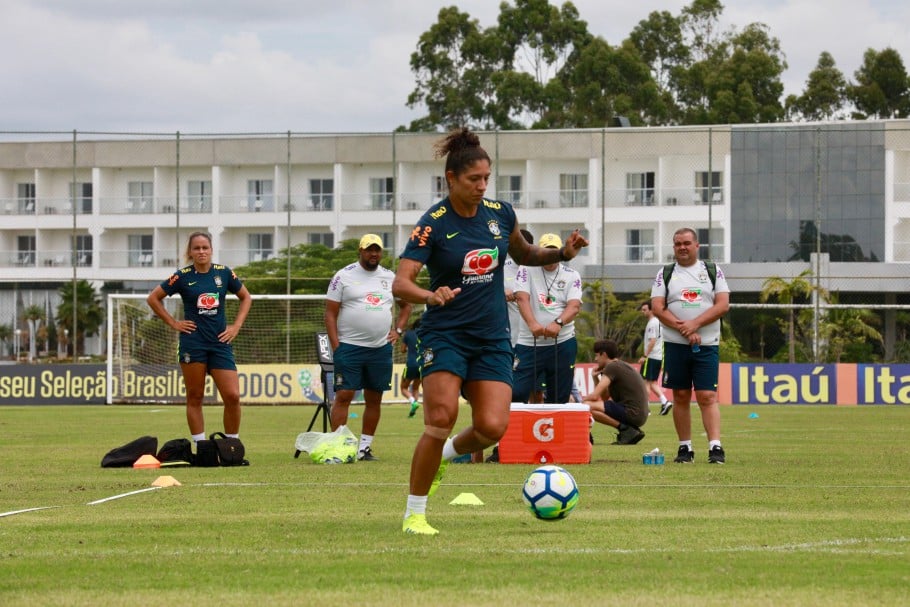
x=550, y=493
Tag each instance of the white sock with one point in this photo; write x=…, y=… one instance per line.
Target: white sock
x=448, y=450
x=663, y=400
x=365, y=441
x=713, y=443
x=198, y=437
x=686, y=443
x=232, y=435
x=417, y=504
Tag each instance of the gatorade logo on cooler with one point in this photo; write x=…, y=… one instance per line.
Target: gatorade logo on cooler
x=544, y=429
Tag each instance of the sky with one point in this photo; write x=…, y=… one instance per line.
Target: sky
x=243, y=66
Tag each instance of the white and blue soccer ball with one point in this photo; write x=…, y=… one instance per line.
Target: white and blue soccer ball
x=550, y=493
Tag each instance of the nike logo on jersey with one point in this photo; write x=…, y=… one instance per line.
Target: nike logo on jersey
x=453, y=234
x=190, y=284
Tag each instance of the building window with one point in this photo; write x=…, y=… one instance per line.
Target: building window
x=640, y=189
x=323, y=238
x=260, y=246
x=141, y=197
x=710, y=243
x=83, y=247
x=508, y=189
x=81, y=193
x=321, y=194
x=439, y=188
x=573, y=190
x=708, y=186
x=26, y=248
x=382, y=192
x=199, y=196
x=260, y=195
x=640, y=246
x=25, y=192
x=140, y=249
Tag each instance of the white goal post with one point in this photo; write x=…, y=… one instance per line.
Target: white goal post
x=275, y=351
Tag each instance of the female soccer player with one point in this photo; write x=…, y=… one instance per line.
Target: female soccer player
x=205, y=336
x=464, y=333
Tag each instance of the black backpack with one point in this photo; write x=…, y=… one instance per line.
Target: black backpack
x=176, y=452
x=126, y=456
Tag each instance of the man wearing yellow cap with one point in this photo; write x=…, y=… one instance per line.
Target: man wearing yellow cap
x=549, y=298
x=358, y=320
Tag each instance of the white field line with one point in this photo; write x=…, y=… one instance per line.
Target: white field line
x=12, y=512
x=117, y=497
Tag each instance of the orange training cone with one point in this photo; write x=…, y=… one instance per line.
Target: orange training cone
x=147, y=461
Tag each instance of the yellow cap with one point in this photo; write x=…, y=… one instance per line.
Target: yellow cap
x=550, y=240
x=369, y=240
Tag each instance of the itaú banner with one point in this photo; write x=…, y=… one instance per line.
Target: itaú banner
x=801, y=384
x=739, y=384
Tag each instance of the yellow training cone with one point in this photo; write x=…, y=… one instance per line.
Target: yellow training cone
x=466, y=499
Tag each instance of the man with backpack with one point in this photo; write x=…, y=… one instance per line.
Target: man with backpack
x=690, y=297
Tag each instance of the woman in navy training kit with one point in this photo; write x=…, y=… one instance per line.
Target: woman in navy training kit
x=464, y=334
x=205, y=336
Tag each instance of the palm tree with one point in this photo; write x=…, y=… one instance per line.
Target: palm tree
x=6, y=333
x=89, y=312
x=34, y=314
x=795, y=291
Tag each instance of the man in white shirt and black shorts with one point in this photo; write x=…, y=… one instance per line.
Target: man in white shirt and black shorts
x=690, y=306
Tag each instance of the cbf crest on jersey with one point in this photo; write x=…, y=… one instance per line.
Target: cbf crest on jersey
x=494, y=228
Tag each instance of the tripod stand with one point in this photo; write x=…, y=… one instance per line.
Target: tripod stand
x=328, y=391
x=327, y=375
x=327, y=363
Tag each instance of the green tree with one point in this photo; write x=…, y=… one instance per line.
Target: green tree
x=745, y=86
x=452, y=66
x=660, y=43
x=89, y=312
x=795, y=291
x=34, y=316
x=824, y=95
x=608, y=82
x=539, y=46
x=882, y=88
x=311, y=268
x=847, y=335
x=6, y=333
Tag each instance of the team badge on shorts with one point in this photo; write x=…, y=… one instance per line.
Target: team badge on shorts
x=515, y=362
x=186, y=358
x=428, y=357
x=339, y=380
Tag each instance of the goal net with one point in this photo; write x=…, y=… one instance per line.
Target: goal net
x=276, y=351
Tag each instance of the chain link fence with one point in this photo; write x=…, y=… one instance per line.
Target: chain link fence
x=763, y=199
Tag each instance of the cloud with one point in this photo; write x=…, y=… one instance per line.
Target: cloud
x=275, y=65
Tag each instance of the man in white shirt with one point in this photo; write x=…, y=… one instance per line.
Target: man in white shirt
x=690, y=306
x=549, y=298
x=358, y=320
x=652, y=360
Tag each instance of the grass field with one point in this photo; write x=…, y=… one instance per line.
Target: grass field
x=812, y=508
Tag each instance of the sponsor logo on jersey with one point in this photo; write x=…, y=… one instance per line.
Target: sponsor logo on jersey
x=207, y=304
x=438, y=213
x=478, y=266
x=491, y=204
x=373, y=301
x=690, y=297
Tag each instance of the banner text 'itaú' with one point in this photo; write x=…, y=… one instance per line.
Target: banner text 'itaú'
x=811, y=384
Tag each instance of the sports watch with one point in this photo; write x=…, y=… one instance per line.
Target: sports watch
x=558, y=321
x=398, y=330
